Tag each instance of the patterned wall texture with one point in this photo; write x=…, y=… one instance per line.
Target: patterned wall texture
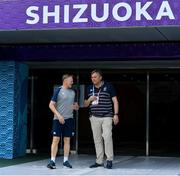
x=13, y=109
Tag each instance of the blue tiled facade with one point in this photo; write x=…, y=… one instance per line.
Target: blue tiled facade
x=13, y=109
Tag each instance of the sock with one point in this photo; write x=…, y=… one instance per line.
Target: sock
x=53, y=159
x=65, y=158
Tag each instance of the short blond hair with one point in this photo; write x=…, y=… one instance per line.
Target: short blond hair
x=65, y=76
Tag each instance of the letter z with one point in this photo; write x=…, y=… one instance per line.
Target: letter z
x=78, y=17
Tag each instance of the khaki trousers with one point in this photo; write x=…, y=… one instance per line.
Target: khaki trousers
x=102, y=134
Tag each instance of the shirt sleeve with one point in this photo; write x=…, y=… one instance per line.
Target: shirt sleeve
x=55, y=94
x=112, y=90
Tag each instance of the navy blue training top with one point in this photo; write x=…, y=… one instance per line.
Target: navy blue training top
x=104, y=108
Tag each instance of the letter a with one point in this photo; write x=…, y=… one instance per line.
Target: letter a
x=165, y=10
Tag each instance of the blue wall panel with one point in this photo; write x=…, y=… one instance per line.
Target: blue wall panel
x=20, y=125
x=13, y=109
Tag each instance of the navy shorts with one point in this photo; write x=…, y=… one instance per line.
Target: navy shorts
x=66, y=130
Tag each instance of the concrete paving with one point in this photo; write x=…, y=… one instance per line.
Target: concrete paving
x=122, y=165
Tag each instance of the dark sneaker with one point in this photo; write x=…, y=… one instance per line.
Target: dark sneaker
x=51, y=165
x=67, y=164
x=109, y=164
x=96, y=165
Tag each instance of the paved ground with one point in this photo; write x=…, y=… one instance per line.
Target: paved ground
x=123, y=165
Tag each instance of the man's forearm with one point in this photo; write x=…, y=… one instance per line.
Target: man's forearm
x=53, y=109
x=116, y=106
x=87, y=103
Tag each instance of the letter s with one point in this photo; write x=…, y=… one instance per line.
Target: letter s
x=33, y=15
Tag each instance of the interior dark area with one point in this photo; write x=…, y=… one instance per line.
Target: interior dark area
x=41, y=125
x=164, y=113
x=129, y=135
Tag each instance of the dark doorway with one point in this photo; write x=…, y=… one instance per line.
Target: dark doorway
x=164, y=114
x=39, y=128
x=130, y=134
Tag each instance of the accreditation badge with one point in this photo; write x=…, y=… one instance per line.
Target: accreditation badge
x=95, y=102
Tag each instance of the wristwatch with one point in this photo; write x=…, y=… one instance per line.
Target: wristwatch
x=116, y=114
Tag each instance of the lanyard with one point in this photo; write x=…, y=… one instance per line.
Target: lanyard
x=97, y=93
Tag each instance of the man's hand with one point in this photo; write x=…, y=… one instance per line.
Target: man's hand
x=116, y=119
x=89, y=100
x=75, y=106
x=61, y=119
x=92, y=98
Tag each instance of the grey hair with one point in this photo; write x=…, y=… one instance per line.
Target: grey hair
x=97, y=71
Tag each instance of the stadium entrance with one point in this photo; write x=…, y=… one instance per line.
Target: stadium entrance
x=148, y=103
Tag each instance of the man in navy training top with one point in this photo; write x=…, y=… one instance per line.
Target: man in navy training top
x=102, y=101
x=62, y=105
